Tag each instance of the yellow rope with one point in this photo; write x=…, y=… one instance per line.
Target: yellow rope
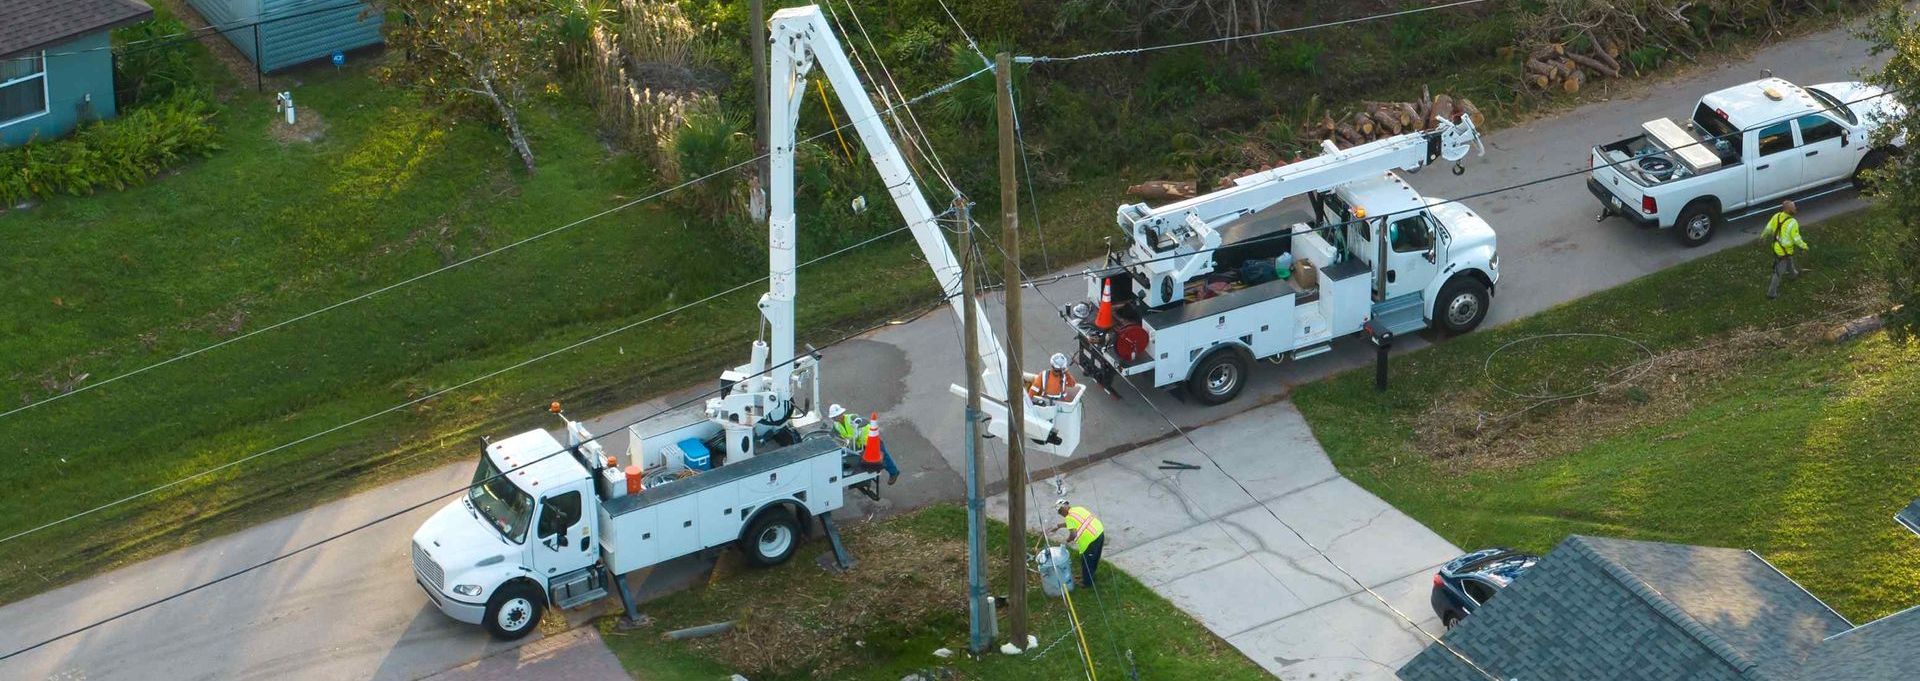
x=821, y=87
x=1086, y=654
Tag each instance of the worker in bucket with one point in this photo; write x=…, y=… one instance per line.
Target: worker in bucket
x=1085, y=536
x=1783, y=231
x=852, y=430
x=1052, y=384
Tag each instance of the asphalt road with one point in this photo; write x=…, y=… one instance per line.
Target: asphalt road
x=352, y=610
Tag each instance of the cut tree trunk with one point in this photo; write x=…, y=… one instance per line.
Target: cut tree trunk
x=1595, y=65
x=511, y=118
x=1466, y=106
x=1573, y=81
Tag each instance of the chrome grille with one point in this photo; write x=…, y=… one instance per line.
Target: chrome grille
x=424, y=565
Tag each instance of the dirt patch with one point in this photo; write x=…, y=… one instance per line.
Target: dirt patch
x=1494, y=427
x=904, y=580
x=308, y=127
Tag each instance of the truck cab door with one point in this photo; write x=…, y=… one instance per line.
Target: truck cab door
x=563, y=533
x=1776, y=163
x=1823, y=150
x=1413, y=253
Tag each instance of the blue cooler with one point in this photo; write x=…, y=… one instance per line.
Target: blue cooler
x=695, y=454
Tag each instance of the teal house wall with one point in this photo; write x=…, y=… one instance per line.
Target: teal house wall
x=79, y=85
x=292, y=32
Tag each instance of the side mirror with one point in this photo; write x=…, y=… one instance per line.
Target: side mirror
x=1846, y=138
x=1429, y=255
x=562, y=539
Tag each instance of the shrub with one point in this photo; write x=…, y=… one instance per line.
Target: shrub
x=113, y=154
x=149, y=64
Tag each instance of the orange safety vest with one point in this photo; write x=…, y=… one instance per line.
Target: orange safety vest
x=1051, y=384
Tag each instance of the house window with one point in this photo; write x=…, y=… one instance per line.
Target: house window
x=23, y=88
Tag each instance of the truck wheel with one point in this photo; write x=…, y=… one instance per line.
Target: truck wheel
x=1696, y=224
x=772, y=538
x=1874, y=161
x=1462, y=304
x=514, y=611
x=1219, y=377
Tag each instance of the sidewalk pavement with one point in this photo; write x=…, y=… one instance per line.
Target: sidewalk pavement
x=1216, y=542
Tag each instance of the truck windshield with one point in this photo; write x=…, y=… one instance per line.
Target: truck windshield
x=504, y=506
x=1833, y=105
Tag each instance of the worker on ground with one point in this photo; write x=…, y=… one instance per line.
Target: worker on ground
x=852, y=430
x=1783, y=232
x=1085, y=536
x=1052, y=384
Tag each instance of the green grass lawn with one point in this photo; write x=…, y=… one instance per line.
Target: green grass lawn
x=1749, y=430
x=905, y=599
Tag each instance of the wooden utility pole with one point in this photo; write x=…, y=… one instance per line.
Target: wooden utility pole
x=979, y=611
x=1016, y=392
x=757, y=21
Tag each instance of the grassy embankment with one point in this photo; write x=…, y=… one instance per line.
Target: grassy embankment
x=907, y=598
x=1745, y=428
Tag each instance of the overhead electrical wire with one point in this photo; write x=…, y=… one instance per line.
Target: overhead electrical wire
x=949, y=85
x=941, y=301
x=171, y=39
x=1232, y=38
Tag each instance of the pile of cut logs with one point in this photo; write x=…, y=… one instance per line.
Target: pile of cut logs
x=1375, y=120
x=1554, y=66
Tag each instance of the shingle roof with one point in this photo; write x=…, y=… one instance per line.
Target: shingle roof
x=32, y=24
x=1886, y=648
x=1619, y=609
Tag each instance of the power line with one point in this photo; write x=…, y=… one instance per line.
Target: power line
x=417, y=506
x=1332, y=226
x=191, y=34
x=1249, y=36
x=327, y=431
x=471, y=259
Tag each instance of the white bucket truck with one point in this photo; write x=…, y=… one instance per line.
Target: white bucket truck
x=1197, y=295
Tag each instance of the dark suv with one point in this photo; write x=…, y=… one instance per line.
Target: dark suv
x=1470, y=580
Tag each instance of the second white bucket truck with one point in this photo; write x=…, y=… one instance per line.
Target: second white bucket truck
x=1196, y=298
x=550, y=524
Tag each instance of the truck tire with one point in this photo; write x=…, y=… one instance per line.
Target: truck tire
x=1218, y=378
x=1696, y=224
x=514, y=611
x=771, y=538
x=1462, y=304
x=1874, y=161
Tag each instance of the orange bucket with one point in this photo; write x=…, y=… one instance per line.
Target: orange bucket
x=633, y=480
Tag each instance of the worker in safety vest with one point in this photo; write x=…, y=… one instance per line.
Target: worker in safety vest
x=1052, y=384
x=1783, y=232
x=852, y=430
x=1085, y=536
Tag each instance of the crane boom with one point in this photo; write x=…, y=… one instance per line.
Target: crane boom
x=1175, y=242
x=802, y=41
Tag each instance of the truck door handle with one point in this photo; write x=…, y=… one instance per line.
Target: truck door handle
x=1763, y=167
x=1813, y=153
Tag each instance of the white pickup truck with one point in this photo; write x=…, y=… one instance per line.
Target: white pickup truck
x=1746, y=147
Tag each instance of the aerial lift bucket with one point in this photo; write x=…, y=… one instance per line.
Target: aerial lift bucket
x=1053, y=426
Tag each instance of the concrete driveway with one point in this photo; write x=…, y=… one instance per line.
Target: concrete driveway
x=351, y=609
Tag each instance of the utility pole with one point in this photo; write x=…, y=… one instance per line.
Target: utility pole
x=979, y=612
x=757, y=23
x=1016, y=393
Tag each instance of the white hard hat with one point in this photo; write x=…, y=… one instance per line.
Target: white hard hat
x=1061, y=503
x=1059, y=361
x=834, y=412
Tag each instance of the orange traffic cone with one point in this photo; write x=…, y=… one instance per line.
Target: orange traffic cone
x=870, y=458
x=1104, y=319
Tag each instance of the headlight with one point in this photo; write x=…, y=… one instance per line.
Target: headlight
x=468, y=590
x=1493, y=261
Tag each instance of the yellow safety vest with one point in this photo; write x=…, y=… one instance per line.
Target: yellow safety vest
x=855, y=436
x=1085, y=526
x=1785, y=231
